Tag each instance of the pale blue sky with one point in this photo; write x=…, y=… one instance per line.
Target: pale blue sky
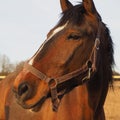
x=25, y=23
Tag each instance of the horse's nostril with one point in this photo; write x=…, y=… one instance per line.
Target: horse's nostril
x=23, y=88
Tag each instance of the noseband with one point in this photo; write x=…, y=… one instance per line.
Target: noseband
x=84, y=74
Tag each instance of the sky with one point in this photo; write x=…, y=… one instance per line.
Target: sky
x=24, y=25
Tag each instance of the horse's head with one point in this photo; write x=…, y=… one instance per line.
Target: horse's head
x=68, y=46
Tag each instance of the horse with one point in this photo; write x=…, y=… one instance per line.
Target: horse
x=69, y=76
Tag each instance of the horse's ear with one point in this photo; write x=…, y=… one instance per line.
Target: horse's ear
x=65, y=4
x=89, y=6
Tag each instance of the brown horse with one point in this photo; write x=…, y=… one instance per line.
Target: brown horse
x=69, y=76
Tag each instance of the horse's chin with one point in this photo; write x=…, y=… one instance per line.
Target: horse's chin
x=35, y=106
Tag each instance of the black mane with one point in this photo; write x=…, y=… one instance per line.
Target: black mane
x=74, y=15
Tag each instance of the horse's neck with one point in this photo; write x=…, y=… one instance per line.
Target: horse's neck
x=74, y=106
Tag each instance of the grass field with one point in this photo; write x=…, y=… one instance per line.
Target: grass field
x=112, y=104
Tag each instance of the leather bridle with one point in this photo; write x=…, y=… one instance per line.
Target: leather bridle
x=84, y=74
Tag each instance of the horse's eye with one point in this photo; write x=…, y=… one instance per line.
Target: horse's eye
x=74, y=37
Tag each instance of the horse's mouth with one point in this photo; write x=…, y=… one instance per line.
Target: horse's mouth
x=34, y=107
x=38, y=105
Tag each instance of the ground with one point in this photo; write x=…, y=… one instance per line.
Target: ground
x=112, y=104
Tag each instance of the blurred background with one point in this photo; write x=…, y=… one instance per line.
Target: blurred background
x=25, y=23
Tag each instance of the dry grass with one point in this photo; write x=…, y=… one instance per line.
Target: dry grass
x=112, y=105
